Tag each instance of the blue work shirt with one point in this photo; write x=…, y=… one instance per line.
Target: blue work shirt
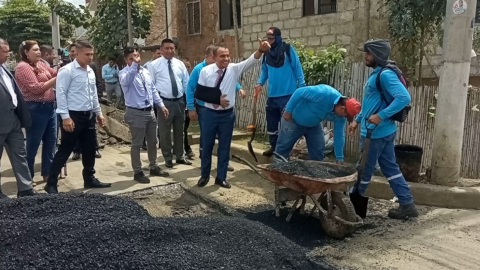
x=284, y=80
x=108, y=72
x=394, y=91
x=138, y=88
x=76, y=90
x=192, y=85
x=313, y=104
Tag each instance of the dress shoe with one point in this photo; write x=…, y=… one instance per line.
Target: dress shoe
x=203, y=181
x=3, y=196
x=184, y=162
x=26, y=193
x=222, y=183
x=141, y=178
x=230, y=168
x=76, y=156
x=98, y=155
x=50, y=189
x=157, y=171
x=169, y=164
x=95, y=183
x=269, y=152
x=190, y=154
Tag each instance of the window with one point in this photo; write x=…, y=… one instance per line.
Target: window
x=226, y=14
x=193, y=18
x=315, y=7
x=477, y=14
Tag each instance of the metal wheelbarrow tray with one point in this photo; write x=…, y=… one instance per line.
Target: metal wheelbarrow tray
x=336, y=212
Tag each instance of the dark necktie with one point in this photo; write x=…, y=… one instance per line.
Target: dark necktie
x=172, y=79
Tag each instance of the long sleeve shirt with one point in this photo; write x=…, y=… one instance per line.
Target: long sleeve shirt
x=76, y=90
x=313, y=104
x=108, y=73
x=284, y=80
x=161, y=77
x=208, y=77
x=138, y=88
x=31, y=81
x=396, y=95
x=192, y=86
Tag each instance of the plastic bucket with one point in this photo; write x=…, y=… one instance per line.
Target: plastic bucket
x=409, y=159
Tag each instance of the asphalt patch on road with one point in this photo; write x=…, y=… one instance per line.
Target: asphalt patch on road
x=94, y=231
x=309, y=169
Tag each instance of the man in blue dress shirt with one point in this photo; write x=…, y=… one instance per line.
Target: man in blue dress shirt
x=110, y=75
x=140, y=99
x=77, y=104
x=170, y=77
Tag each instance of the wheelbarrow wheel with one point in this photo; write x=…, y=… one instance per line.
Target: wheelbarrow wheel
x=343, y=208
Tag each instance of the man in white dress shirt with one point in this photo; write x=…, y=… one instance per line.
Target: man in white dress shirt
x=170, y=77
x=219, y=80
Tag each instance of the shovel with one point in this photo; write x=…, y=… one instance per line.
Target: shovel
x=253, y=127
x=360, y=203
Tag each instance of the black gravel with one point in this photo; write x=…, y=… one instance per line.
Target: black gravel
x=309, y=169
x=79, y=231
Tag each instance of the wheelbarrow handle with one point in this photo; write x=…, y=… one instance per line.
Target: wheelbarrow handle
x=244, y=161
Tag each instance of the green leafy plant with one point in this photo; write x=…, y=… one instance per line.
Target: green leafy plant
x=28, y=19
x=413, y=25
x=318, y=64
x=108, y=29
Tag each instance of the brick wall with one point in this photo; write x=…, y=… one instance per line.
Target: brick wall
x=346, y=26
x=193, y=46
x=158, y=25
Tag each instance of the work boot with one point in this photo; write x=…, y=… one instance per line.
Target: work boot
x=76, y=156
x=26, y=193
x=157, y=171
x=404, y=212
x=269, y=152
x=50, y=189
x=141, y=178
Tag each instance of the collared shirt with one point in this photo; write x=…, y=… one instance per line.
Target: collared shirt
x=208, y=77
x=76, y=90
x=32, y=80
x=8, y=82
x=138, y=88
x=192, y=85
x=108, y=73
x=161, y=77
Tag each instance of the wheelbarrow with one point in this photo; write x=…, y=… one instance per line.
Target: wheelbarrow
x=335, y=210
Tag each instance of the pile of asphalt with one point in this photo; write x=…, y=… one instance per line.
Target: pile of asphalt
x=309, y=169
x=92, y=231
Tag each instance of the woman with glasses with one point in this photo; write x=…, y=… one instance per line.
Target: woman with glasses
x=36, y=80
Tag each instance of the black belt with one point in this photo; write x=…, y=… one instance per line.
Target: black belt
x=171, y=99
x=142, y=109
x=111, y=82
x=220, y=111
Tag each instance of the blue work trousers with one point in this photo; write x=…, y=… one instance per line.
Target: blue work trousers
x=383, y=151
x=43, y=130
x=274, y=111
x=215, y=123
x=289, y=134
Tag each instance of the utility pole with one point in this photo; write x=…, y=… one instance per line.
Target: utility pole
x=452, y=93
x=129, y=22
x=55, y=33
x=235, y=27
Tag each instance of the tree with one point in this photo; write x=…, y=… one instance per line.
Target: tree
x=27, y=19
x=413, y=25
x=107, y=29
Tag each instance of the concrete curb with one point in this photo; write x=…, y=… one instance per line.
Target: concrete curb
x=424, y=194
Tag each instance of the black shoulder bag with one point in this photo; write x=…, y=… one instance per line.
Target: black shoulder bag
x=402, y=115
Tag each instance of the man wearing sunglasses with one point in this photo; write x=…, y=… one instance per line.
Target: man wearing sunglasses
x=283, y=70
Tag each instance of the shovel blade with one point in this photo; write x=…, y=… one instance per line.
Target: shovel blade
x=360, y=204
x=250, y=149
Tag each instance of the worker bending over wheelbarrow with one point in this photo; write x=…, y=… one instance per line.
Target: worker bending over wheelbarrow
x=303, y=116
x=385, y=98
